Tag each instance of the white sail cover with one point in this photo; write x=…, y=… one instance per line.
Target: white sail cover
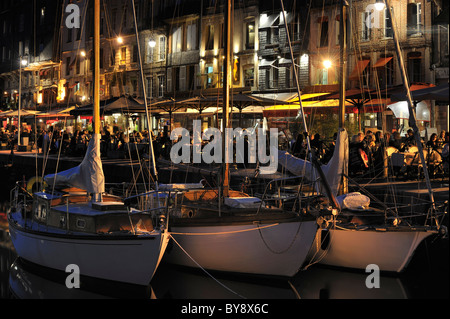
x=88, y=175
x=333, y=170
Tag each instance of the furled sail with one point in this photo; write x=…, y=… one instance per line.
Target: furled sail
x=333, y=170
x=88, y=175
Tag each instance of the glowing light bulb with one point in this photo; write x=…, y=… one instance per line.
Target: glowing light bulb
x=327, y=64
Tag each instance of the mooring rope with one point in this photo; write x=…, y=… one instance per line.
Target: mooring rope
x=229, y=289
x=226, y=232
x=285, y=250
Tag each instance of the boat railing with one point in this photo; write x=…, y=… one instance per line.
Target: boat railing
x=304, y=190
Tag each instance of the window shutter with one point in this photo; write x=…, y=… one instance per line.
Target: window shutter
x=169, y=80
x=182, y=78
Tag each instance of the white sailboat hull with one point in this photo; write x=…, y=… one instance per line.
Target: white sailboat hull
x=131, y=261
x=391, y=251
x=272, y=250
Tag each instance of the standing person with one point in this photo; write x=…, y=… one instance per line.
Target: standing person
x=45, y=142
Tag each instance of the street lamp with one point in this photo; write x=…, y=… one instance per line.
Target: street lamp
x=327, y=64
x=120, y=40
x=23, y=62
x=379, y=5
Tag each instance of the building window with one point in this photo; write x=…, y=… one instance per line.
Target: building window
x=274, y=35
x=209, y=70
x=191, y=37
x=250, y=35
x=135, y=53
x=209, y=37
x=149, y=51
x=77, y=64
x=162, y=48
x=160, y=85
x=414, y=24
x=388, y=24
x=366, y=26
x=177, y=40
x=68, y=66
x=337, y=25
x=249, y=76
x=323, y=77
x=42, y=16
x=123, y=55
x=222, y=36
x=415, y=67
x=150, y=87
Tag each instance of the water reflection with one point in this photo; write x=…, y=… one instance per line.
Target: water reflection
x=315, y=283
x=28, y=282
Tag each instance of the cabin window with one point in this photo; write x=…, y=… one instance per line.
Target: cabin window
x=40, y=211
x=81, y=223
x=62, y=221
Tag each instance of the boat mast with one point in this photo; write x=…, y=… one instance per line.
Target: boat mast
x=96, y=114
x=149, y=125
x=312, y=156
x=412, y=112
x=342, y=77
x=226, y=96
x=301, y=113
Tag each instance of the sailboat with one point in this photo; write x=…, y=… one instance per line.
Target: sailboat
x=224, y=230
x=362, y=233
x=73, y=224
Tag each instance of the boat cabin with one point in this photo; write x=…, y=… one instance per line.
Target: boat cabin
x=75, y=212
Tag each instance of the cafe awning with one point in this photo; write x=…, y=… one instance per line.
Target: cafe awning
x=382, y=62
x=401, y=110
x=359, y=68
x=123, y=104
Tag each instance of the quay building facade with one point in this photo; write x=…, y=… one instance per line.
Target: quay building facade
x=182, y=52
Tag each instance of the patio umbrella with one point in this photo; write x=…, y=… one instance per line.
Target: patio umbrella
x=123, y=104
x=15, y=113
x=242, y=101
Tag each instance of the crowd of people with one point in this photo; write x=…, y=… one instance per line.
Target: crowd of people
x=366, y=151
